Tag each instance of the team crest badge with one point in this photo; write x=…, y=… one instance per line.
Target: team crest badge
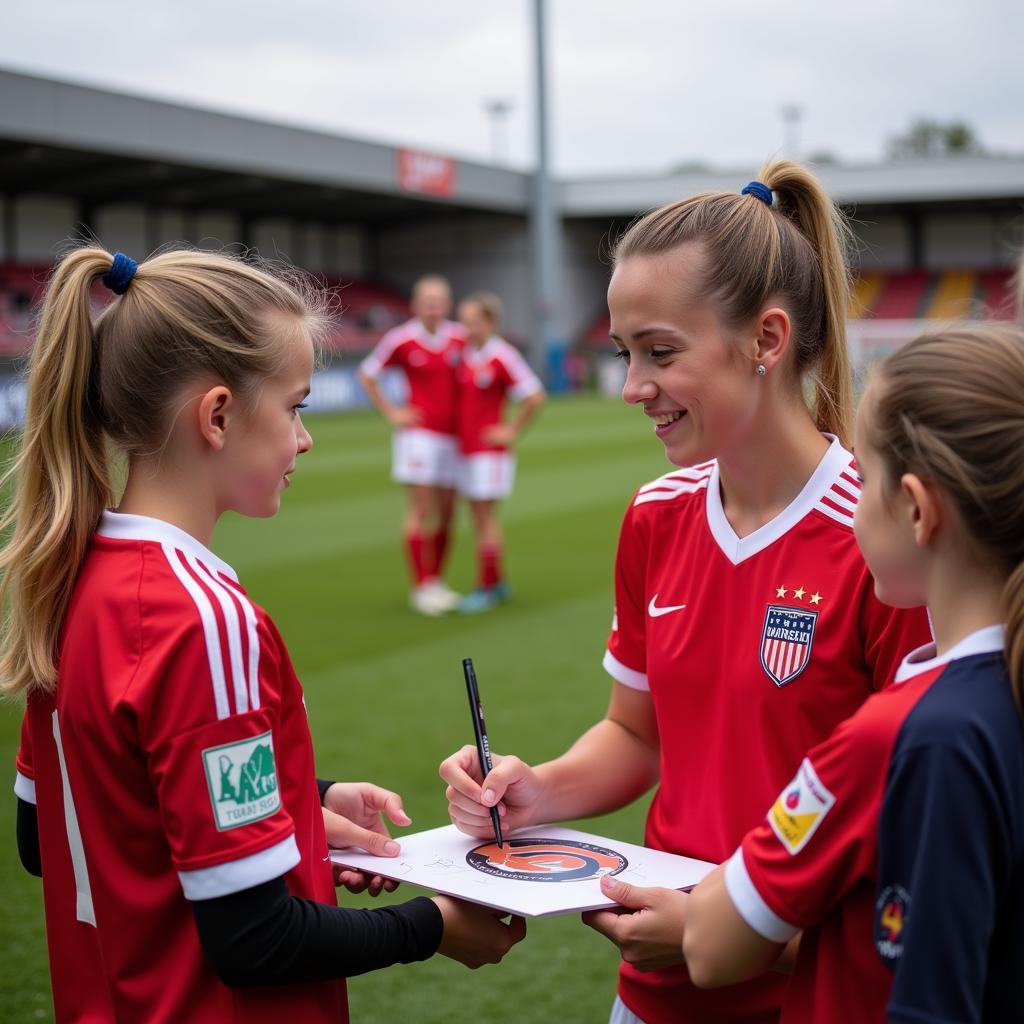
x=546, y=860
x=484, y=379
x=786, y=642
x=242, y=781
x=800, y=809
x=892, y=911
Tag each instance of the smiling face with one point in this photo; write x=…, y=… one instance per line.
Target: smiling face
x=685, y=365
x=271, y=436
x=431, y=303
x=479, y=326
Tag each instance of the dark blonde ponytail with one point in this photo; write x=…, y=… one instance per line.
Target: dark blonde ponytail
x=185, y=315
x=63, y=483
x=794, y=249
x=949, y=407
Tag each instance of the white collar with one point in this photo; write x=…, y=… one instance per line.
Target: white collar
x=737, y=549
x=124, y=526
x=986, y=640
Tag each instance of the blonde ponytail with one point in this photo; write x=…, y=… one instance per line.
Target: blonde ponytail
x=62, y=479
x=185, y=315
x=1013, y=602
x=794, y=249
x=801, y=197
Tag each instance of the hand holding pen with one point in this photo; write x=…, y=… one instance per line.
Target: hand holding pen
x=483, y=746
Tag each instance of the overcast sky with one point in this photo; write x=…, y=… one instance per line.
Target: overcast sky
x=635, y=85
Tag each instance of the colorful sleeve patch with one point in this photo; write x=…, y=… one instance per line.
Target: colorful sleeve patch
x=242, y=781
x=800, y=808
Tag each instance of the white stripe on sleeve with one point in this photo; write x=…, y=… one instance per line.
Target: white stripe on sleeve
x=213, y=651
x=234, y=631
x=244, y=873
x=621, y=674
x=24, y=788
x=750, y=905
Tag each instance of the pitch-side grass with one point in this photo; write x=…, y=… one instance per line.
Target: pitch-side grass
x=384, y=686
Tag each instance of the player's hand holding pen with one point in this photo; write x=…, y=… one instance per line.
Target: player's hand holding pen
x=512, y=786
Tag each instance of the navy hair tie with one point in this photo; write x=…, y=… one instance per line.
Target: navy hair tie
x=120, y=274
x=758, y=189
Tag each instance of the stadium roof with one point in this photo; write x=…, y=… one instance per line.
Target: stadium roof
x=104, y=147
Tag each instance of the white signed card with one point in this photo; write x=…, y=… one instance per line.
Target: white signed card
x=539, y=870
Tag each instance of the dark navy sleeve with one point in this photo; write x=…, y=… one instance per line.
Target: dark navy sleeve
x=943, y=846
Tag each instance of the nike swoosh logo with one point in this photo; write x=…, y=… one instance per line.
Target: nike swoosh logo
x=654, y=611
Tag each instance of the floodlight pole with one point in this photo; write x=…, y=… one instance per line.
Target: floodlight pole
x=548, y=348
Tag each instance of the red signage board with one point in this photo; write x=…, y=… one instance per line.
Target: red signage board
x=428, y=173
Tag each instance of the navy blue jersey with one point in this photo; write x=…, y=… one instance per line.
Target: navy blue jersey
x=899, y=849
x=951, y=852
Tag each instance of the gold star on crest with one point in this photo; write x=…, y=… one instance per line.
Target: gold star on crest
x=815, y=598
x=798, y=593
x=780, y=592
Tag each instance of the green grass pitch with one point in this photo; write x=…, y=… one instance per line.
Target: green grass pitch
x=384, y=686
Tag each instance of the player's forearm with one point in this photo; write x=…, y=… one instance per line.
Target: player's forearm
x=526, y=410
x=376, y=396
x=606, y=768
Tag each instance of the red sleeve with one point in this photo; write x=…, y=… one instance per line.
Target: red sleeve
x=889, y=634
x=211, y=737
x=626, y=657
x=389, y=351
x=818, y=839
x=25, y=781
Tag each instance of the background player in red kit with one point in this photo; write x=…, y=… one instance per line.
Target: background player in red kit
x=425, y=448
x=491, y=371
x=165, y=775
x=746, y=624
x=899, y=844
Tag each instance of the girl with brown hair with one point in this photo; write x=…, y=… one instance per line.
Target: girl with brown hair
x=745, y=626
x=899, y=845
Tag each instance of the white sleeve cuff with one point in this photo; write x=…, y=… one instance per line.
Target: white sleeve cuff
x=524, y=389
x=25, y=788
x=751, y=907
x=371, y=366
x=236, y=875
x=621, y=674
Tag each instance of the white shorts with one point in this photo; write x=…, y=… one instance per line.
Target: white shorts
x=424, y=457
x=487, y=476
x=622, y=1014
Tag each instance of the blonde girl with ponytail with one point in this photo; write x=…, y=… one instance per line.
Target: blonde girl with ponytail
x=745, y=623
x=166, y=791
x=910, y=889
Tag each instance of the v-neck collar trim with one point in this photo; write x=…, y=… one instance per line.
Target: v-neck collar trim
x=739, y=549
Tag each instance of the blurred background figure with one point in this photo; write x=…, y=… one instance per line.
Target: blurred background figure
x=491, y=371
x=425, y=447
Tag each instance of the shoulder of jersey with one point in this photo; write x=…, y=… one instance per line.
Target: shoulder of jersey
x=675, y=486
x=839, y=502
x=399, y=335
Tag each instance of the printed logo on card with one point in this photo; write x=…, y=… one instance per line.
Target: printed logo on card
x=546, y=860
x=242, y=779
x=800, y=809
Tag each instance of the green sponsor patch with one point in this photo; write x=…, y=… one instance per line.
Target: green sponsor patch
x=242, y=780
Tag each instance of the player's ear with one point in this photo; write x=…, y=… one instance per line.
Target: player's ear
x=923, y=505
x=772, y=330
x=216, y=410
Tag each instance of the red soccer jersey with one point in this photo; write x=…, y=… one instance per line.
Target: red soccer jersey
x=429, y=362
x=753, y=650
x=174, y=763
x=948, y=730
x=486, y=377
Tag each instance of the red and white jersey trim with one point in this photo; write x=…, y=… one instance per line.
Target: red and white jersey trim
x=206, y=579
x=244, y=873
x=671, y=485
x=24, y=788
x=750, y=904
x=622, y=674
x=839, y=502
x=411, y=330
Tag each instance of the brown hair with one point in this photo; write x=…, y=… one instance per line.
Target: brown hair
x=186, y=315
x=489, y=304
x=949, y=407
x=794, y=250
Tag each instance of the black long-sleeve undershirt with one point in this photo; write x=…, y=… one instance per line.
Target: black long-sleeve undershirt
x=266, y=936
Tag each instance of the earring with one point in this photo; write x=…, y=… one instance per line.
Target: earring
x=761, y=370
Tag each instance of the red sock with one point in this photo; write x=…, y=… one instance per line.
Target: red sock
x=489, y=557
x=440, y=550
x=416, y=552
